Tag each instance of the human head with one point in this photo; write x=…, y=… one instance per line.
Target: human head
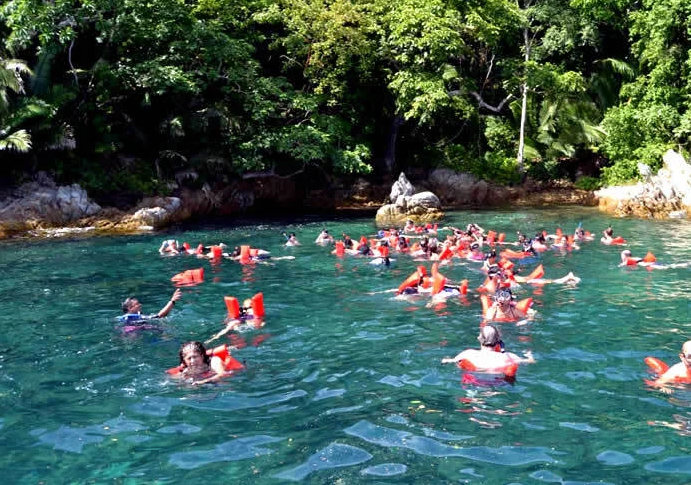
x=491, y=255
x=189, y=351
x=609, y=231
x=489, y=336
x=247, y=303
x=686, y=353
x=131, y=305
x=503, y=297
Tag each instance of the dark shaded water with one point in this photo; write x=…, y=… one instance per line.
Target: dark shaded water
x=342, y=385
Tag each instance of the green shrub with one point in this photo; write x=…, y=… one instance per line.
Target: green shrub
x=588, y=183
x=543, y=170
x=622, y=172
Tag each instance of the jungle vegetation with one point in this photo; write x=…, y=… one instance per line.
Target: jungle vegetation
x=122, y=95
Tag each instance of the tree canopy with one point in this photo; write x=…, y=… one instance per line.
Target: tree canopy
x=548, y=88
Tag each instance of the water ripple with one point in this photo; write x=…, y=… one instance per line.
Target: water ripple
x=616, y=458
x=676, y=464
x=239, y=449
x=385, y=470
x=505, y=455
x=333, y=456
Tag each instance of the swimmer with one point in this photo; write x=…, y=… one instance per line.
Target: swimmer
x=681, y=371
x=169, y=246
x=491, y=357
x=132, y=309
x=490, y=262
x=246, y=317
x=198, y=366
x=324, y=238
x=475, y=253
x=581, y=234
x=649, y=261
x=503, y=309
x=381, y=261
x=568, y=278
x=291, y=240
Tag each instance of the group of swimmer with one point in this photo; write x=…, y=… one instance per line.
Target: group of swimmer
x=198, y=365
x=201, y=365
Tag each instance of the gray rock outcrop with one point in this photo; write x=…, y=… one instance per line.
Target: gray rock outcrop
x=401, y=187
x=420, y=207
x=42, y=200
x=664, y=195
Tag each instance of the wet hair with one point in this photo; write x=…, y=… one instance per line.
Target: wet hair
x=609, y=231
x=491, y=254
x=489, y=336
x=236, y=252
x=198, y=348
x=126, y=304
x=475, y=246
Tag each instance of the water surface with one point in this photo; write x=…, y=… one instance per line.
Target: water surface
x=343, y=384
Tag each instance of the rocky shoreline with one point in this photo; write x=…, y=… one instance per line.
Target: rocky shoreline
x=42, y=209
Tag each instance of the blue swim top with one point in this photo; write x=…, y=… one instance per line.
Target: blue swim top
x=135, y=317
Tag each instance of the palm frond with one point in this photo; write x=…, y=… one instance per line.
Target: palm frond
x=19, y=141
x=620, y=67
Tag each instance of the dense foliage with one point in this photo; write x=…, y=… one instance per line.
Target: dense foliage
x=125, y=95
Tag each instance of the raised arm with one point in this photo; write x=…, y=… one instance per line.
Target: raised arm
x=177, y=294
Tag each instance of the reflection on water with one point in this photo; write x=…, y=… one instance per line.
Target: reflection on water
x=343, y=382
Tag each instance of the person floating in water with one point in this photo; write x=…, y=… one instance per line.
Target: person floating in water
x=132, y=309
x=648, y=261
x=491, y=357
x=291, y=239
x=324, y=238
x=679, y=372
x=170, y=246
x=197, y=366
x=504, y=309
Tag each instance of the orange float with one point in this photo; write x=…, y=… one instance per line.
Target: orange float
x=190, y=277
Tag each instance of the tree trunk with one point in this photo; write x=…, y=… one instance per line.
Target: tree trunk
x=390, y=153
x=524, y=108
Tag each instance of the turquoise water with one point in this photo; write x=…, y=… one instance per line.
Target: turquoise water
x=342, y=385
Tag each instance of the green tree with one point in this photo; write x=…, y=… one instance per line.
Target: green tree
x=11, y=81
x=653, y=114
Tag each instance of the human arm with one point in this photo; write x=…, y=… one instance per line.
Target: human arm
x=229, y=326
x=459, y=357
x=528, y=359
x=177, y=294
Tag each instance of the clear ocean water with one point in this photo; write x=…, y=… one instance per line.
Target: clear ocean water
x=343, y=384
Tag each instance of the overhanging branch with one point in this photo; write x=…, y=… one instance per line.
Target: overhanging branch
x=481, y=102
